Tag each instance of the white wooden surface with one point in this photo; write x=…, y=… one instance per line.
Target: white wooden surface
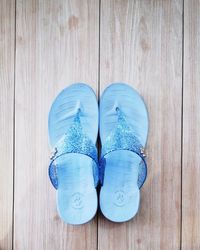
x=191, y=128
x=141, y=43
x=57, y=44
x=151, y=44
x=7, y=44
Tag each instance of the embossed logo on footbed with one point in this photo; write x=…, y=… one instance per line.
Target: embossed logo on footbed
x=77, y=201
x=119, y=198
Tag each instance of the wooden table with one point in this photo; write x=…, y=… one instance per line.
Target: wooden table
x=154, y=45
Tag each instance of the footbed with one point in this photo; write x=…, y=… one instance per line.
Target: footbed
x=120, y=194
x=76, y=193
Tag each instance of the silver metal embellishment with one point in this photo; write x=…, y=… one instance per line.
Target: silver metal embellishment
x=142, y=152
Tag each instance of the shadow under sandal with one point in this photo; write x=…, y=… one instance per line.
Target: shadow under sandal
x=73, y=171
x=123, y=133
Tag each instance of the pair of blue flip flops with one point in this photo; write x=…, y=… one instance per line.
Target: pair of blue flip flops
x=75, y=170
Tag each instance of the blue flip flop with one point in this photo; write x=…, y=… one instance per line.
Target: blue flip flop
x=123, y=133
x=73, y=170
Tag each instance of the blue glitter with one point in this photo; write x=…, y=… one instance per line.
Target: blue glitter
x=74, y=141
x=122, y=138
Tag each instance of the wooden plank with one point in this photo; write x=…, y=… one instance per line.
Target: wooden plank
x=57, y=44
x=141, y=44
x=191, y=129
x=7, y=47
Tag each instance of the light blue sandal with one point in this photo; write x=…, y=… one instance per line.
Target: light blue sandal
x=123, y=133
x=73, y=170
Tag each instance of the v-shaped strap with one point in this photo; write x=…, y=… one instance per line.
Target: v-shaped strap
x=123, y=138
x=74, y=141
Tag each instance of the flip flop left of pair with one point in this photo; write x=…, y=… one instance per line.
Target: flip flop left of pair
x=73, y=170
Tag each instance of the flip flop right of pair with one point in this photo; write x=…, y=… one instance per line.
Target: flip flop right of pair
x=122, y=166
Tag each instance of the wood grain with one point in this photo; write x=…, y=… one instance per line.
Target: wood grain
x=7, y=44
x=191, y=128
x=141, y=44
x=56, y=45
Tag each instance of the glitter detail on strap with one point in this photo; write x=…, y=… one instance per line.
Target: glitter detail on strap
x=74, y=141
x=123, y=138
